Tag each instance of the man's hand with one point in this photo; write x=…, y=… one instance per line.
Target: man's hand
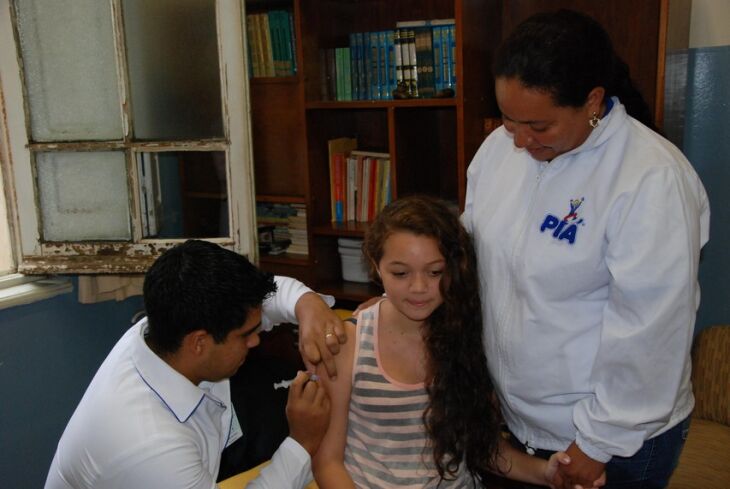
x=321, y=332
x=308, y=412
x=582, y=470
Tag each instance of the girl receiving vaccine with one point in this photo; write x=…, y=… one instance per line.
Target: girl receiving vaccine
x=413, y=405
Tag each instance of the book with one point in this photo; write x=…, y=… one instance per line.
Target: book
x=265, y=39
x=373, y=63
x=383, y=65
x=391, y=81
x=355, y=56
x=352, y=190
x=438, y=70
x=373, y=180
x=253, y=46
x=338, y=149
x=424, y=60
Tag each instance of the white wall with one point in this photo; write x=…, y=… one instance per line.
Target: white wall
x=710, y=23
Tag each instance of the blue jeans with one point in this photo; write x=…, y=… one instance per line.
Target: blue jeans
x=649, y=468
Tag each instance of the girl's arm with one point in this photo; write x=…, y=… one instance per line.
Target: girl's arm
x=328, y=464
x=520, y=466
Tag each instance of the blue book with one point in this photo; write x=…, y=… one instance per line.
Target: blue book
x=452, y=56
x=438, y=69
x=382, y=64
x=373, y=64
x=392, y=81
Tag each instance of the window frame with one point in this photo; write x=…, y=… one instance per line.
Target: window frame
x=34, y=256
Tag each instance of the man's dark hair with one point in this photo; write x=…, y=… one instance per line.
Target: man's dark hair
x=200, y=285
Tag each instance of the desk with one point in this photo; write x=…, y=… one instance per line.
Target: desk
x=241, y=480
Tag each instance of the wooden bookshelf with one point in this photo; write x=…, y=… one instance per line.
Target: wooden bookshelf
x=430, y=141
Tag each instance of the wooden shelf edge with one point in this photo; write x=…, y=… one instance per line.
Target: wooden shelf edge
x=282, y=199
x=349, y=228
x=381, y=104
x=274, y=80
x=286, y=259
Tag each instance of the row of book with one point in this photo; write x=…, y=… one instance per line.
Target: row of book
x=287, y=224
x=360, y=181
x=271, y=44
x=416, y=60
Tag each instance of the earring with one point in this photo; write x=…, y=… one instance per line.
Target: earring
x=594, y=120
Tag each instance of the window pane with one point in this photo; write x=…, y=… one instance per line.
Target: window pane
x=70, y=69
x=83, y=196
x=183, y=194
x=172, y=51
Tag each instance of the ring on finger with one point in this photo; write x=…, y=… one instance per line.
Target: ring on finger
x=328, y=334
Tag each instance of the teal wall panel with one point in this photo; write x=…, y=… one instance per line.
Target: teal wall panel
x=707, y=145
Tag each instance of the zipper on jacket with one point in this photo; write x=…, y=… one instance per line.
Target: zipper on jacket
x=504, y=314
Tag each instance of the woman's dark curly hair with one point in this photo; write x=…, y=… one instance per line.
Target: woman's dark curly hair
x=568, y=54
x=461, y=419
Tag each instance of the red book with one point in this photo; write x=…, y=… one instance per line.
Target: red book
x=372, y=191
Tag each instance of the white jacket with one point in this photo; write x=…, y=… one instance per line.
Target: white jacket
x=588, y=267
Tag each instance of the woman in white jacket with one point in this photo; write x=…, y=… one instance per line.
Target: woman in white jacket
x=588, y=227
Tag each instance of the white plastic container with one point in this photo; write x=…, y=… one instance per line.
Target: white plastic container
x=354, y=265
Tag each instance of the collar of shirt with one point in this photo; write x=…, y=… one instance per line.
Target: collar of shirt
x=181, y=396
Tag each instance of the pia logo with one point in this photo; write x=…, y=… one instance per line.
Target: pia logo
x=567, y=227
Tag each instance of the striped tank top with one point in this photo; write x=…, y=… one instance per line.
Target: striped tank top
x=387, y=444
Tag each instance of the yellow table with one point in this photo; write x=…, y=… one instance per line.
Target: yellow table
x=241, y=480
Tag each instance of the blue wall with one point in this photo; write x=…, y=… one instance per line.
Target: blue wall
x=707, y=146
x=49, y=352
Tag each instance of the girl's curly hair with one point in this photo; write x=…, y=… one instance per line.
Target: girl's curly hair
x=461, y=418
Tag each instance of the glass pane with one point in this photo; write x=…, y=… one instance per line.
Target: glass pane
x=83, y=196
x=70, y=69
x=172, y=51
x=183, y=194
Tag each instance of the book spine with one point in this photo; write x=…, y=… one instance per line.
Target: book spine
x=266, y=37
x=372, y=188
x=424, y=61
x=289, y=54
x=446, y=57
x=390, y=64
x=351, y=188
x=362, y=67
x=253, y=45
x=373, y=82
x=347, y=73
x=273, y=21
x=438, y=80
x=383, y=64
x=364, y=198
x=339, y=193
x=412, y=60
x=338, y=75
x=354, y=65
x=293, y=42
x=386, y=184
x=452, y=55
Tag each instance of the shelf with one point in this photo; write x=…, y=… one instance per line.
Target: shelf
x=382, y=104
x=274, y=80
x=349, y=229
x=281, y=199
x=286, y=259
